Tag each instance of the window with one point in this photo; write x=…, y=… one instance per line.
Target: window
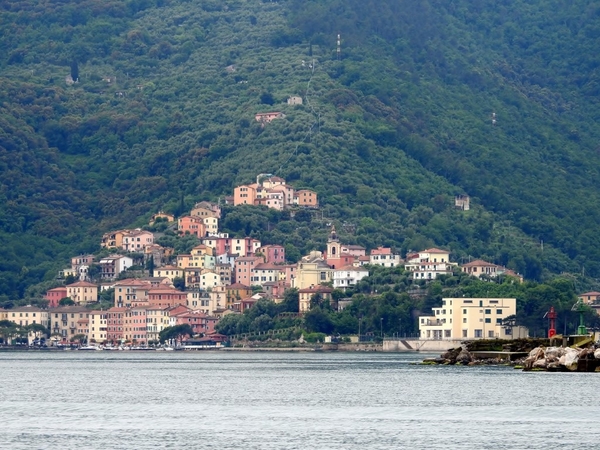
x=465, y=333
x=488, y=311
x=498, y=321
x=447, y=333
x=464, y=311
x=491, y=333
x=478, y=333
x=464, y=320
x=488, y=320
x=499, y=312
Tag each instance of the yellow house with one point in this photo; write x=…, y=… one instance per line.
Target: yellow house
x=82, y=292
x=97, y=326
x=157, y=319
x=63, y=321
x=312, y=273
x=26, y=315
x=170, y=272
x=306, y=295
x=184, y=261
x=113, y=239
x=471, y=318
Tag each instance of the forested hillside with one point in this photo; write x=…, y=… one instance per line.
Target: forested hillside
x=162, y=115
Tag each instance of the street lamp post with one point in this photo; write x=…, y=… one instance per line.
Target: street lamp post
x=359, y=323
x=381, y=328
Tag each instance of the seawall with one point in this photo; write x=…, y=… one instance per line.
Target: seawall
x=419, y=345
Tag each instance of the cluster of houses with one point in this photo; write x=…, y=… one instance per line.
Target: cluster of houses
x=273, y=192
x=221, y=275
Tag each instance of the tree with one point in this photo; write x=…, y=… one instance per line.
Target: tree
x=318, y=321
x=267, y=98
x=291, y=301
x=176, y=332
x=179, y=283
x=67, y=301
x=228, y=324
x=74, y=70
x=150, y=266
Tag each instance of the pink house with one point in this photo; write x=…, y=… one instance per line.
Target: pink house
x=191, y=225
x=137, y=240
x=244, y=267
x=115, y=318
x=55, y=295
x=239, y=246
x=274, y=254
x=135, y=325
x=200, y=322
x=166, y=296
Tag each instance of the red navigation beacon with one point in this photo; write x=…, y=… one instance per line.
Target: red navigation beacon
x=552, y=317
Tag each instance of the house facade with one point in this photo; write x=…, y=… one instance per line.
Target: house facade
x=348, y=276
x=112, y=266
x=63, y=320
x=55, y=295
x=383, y=256
x=191, y=225
x=82, y=292
x=306, y=295
x=470, y=318
x=137, y=240
x=97, y=328
x=429, y=264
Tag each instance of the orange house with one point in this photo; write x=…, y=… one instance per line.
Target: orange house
x=191, y=225
x=306, y=197
x=244, y=195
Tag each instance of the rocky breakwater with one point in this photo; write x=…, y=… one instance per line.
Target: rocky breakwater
x=462, y=356
x=563, y=359
x=488, y=352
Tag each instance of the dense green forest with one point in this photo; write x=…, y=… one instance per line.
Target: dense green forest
x=161, y=115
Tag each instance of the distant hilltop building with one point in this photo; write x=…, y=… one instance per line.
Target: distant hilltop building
x=478, y=267
x=268, y=117
x=462, y=202
x=162, y=215
x=273, y=192
x=294, y=100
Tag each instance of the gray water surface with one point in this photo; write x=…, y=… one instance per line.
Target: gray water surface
x=224, y=400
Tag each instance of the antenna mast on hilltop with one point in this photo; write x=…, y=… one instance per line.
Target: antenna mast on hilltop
x=339, y=47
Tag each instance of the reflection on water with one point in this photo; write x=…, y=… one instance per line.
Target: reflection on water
x=103, y=400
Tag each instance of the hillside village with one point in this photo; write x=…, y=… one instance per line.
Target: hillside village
x=152, y=287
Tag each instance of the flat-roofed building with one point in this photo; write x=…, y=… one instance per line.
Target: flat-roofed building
x=470, y=318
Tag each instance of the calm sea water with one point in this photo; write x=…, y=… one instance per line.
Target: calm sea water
x=218, y=400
